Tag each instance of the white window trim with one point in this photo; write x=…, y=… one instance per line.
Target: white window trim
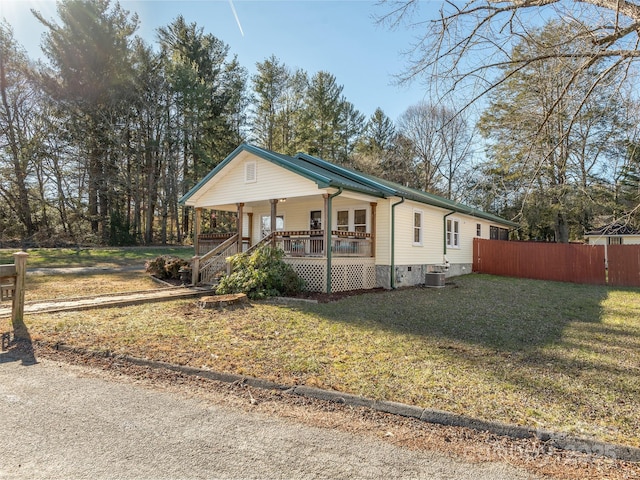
x=248, y=167
x=421, y=228
x=451, y=238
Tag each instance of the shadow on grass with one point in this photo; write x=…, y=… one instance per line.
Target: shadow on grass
x=543, y=347
x=504, y=314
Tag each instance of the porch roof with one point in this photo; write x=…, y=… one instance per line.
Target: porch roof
x=329, y=175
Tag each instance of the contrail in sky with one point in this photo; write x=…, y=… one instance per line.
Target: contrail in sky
x=235, y=14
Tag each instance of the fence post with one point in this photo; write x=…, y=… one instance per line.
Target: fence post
x=195, y=270
x=17, y=311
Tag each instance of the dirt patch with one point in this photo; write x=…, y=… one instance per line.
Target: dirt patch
x=335, y=296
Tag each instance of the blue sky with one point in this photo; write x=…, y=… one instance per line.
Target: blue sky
x=340, y=37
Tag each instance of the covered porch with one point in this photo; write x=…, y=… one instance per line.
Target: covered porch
x=296, y=226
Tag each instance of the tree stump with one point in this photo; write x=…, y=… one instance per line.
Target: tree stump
x=221, y=301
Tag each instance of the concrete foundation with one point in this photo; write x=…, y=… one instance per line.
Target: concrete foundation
x=411, y=275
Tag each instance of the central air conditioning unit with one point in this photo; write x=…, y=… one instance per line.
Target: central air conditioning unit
x=435, y=277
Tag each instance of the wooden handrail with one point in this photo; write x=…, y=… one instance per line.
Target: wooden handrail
x=262, y=242
x=219, y=248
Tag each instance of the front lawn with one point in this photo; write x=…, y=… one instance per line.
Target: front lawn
x=93, y=257
x=543, y=354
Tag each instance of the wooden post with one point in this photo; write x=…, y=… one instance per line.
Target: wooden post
x=373, y=228
x=17, y=312
x=197, y=225
x=239, y=226
x=327, y=227
x=250, y=222
x=274, y=225
x=195, y=270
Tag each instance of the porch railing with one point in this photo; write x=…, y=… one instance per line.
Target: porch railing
x=206, y=268
x=311, y=243
x=298, y=243
x=210, y=241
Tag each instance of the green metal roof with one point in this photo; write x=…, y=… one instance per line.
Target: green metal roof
x=326, y=174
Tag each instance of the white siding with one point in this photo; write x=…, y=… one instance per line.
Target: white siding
x=383, y=233
x=626, y=240
x=229, y=186
x=432, y=249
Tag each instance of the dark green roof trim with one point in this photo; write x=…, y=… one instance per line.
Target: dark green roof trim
x=351, y=175
x=397, y=190
x=326, y=174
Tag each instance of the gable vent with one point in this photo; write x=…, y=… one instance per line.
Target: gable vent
x=250, y=172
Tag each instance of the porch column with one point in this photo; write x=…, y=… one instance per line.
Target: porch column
x=325, y=222
x=274, y=225
x=197, y=225
x=239, y=226
x=373, y=228
x=250, y=221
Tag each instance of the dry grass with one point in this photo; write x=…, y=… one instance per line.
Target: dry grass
x=556, y=356
x=92, y=257
x=47, y=287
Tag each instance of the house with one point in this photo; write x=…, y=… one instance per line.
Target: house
x=613, y=234
x=340, y=229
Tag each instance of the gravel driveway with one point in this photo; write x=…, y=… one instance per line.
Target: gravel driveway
x=66, y=421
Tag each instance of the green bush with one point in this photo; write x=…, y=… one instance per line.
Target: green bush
x=261, y=274
x=166, y=266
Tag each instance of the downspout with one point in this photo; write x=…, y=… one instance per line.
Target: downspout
x=329, y=246
x=393, y=241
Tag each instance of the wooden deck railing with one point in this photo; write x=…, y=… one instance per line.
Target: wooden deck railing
x=311, y=243
x=206, y=268
x=210, y=241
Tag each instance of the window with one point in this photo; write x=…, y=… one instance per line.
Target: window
x=453, y=233
x=351, y=220
x=315, y=220
x=343, y=220
x=478, y=229
x=265, y=224
x=360, y=220
x=417, y=227
x=615, y=240
x=250, y=174
x=497, y=233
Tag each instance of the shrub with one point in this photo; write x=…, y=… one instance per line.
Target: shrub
x=261, y=274
x=166, y=266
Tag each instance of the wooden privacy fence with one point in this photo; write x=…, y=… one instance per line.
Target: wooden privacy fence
x=560, y=262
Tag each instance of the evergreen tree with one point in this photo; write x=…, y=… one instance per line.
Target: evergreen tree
x=90, y=79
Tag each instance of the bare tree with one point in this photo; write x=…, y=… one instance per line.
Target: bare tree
x=472, y=42
x=440, y=141
x=469, y=50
